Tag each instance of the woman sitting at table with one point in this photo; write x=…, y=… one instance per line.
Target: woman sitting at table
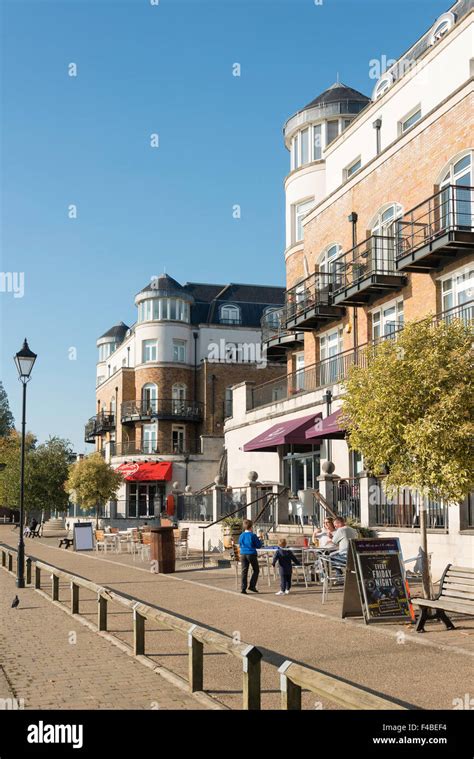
x=324, y=536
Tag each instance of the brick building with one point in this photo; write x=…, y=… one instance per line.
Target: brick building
x=164, y=385
x=379, y=231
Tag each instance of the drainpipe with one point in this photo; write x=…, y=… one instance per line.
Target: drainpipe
x=195, y=435
x=377, y=124
x=327, y=397
x=213, y=400
x=353, y=219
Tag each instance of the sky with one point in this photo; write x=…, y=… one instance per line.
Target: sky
x=91, y=210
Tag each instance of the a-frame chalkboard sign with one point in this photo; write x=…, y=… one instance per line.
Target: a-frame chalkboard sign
x=375, y=581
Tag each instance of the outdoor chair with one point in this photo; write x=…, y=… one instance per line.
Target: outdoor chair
x=181, y=542
x=145, y=545
x=102, y=542
x=330, y=578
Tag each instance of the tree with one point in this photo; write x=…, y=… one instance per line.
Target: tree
x=410, y=411
x=48, y=466
x=92, y=482
x=7, y=423
x=10, y=447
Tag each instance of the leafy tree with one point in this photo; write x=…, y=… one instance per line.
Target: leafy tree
x=7, y=423
x=92, y=482
x=410, y=411
x=48, y=470
x=10, y=447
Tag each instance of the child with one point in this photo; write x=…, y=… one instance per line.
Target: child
x=285, y=558
x=248, y=544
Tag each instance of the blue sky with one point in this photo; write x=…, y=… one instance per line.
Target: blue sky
x=85, y=140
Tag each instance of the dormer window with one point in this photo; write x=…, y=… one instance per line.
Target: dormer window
x=229, y=315
x=383, y=84
x=272, y=317
x=441, y=26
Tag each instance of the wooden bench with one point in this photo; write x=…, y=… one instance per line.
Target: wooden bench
x=456, y=594
x=66, y=542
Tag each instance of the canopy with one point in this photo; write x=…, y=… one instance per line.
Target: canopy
x=291, y=431
x=327, y=428
x=147, y=470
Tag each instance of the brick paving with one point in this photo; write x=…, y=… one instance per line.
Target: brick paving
x=52, y=661
x=428, y=670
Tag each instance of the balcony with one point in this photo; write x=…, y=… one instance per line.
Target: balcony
x=367, y=271
x=163, y=408
x=98, y=425
x=276, y=338
x=310, y=304
x=150, y=448
x=437, y=230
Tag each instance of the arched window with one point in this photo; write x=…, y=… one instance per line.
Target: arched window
x=442, y=25
x=149, y=398
x=383, y=84
x=456, y=198
x=327, y=258
x=385, y=228
x=272, y=317
x=230, y=314
x=384, y=223
x=178, y=392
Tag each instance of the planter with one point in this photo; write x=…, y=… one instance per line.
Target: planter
x=230, y=535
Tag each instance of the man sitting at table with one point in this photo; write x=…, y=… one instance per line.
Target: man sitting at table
x=341, y=539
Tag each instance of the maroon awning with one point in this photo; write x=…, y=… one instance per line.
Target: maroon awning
x=326, y=428
x=291, y=431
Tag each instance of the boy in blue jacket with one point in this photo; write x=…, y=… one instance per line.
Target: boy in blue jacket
x=248, y=544
x=285, y=559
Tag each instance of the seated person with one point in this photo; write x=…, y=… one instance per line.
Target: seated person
x=341, y=539
x=324, y=536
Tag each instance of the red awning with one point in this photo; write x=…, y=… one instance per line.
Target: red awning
x=291, y=431
x=327, y=428
x=147, y=470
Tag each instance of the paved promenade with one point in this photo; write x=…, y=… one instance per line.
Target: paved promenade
x=428, y=671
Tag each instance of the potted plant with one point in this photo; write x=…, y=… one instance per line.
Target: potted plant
x=231, y=529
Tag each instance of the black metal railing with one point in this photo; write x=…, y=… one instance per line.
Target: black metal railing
x=335, y=369
x=449, y=209
x=161, y=408
x=374, y=256
x=151, y=448
x=98, y=424
x=346, y=498
x=316, y=290
x=402, y=508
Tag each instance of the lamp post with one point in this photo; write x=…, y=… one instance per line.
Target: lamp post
x=24, y=361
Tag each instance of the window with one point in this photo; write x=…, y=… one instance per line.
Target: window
x=317, y=142
x=352, y=168
x=305, y=146
x=457, y=290
x=300, y=211
x=178, y=438
x=330, y=346
x=228, y=402
x=162, y=309
x=149, y=351
x=150, y=438
x=230, y=315
x=296, y=151
x=332, y=130
x=441, y=26
x=106, y=350
x=272, y=317
x=179, y=351
x=385, y=221
x=456, y=204
x=178, y=392
x=299, y=375
x=383, y=84
x=149, y=398
x=386, y=321
x=144, y=499
x=327, y=260
x=410, y=120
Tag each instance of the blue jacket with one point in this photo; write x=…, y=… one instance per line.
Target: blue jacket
x=285, y=558
x=248, y=543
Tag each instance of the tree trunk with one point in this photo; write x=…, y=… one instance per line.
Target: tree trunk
x=425, y=569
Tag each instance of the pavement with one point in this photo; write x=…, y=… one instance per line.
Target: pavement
x=426, y=671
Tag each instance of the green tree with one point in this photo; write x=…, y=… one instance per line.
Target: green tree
x=48, y=470
x=92, y=482
x=10, y=447
x=7, y=423
x=409, y=411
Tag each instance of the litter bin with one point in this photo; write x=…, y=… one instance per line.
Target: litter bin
x=162, y=549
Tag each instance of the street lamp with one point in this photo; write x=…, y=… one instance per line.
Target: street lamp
x=24, y=361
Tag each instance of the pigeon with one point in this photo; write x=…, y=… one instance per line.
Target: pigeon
x=15, y=602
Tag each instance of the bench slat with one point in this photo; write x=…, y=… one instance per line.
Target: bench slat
x=458, y=579
x=463, y=570
x=449, y=604
x=457, y=594
x=458, y=588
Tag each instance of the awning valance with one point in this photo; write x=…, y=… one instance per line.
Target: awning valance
x=146, y=470
x=291, y=431
x=327, y=428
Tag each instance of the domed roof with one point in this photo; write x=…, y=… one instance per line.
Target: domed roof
x=336, y=93
x=165, y=286
x=118, y=331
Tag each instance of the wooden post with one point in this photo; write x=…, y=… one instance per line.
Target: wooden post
x=138, y=633
x=10, y=562
x=28, y=571
x=55, y=587
x=74, y=598
x=251, y=657
x=37, y=577
x=101, y=613
x=195, y=662
x=290, y=692
x=4, y=558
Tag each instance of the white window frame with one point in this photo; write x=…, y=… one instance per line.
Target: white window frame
x=149, y=346
x=383, y=84
x=230, y=308
x=317, y=133
x=299, y=370
x=179, y=393
x=380, y=321
x=181, y=429
x=179, y=351
x=150, y=402
x=402, y=128
x=328, y=256
x=329, y=373
x=441, y=26
x=455, y=289
x=352, y=168
x=300, y=210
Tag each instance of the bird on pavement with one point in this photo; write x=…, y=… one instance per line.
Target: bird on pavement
x=15, y=602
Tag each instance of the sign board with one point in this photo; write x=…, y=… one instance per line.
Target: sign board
x=375, y=581
x=83, y=536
